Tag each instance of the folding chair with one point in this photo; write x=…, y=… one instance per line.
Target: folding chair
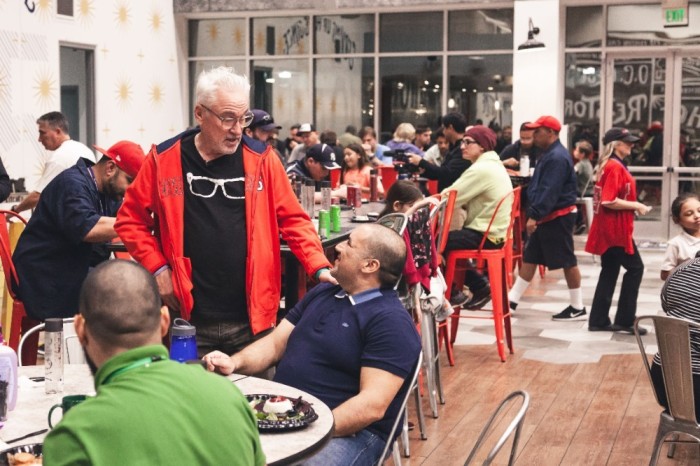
x=19, y=322
x=391, y=442
x=673, y=341
x=514, y=426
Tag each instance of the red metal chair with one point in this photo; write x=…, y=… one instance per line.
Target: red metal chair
x=517, y=236
x=20, y=323
x=442, y=226
x=496, y=263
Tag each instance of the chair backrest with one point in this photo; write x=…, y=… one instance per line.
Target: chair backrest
x=389, y=176
x=6, y=250
x=673, y=341
x=444, y=218
x=402, y=408
x=396, y=221
x=509, y=232
x=514, y=426
x=72, y=350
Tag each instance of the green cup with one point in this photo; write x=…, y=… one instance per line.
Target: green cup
x=67, y=403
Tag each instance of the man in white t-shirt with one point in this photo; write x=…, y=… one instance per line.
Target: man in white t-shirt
x=53, y=135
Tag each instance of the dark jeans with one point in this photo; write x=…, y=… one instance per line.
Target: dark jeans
x=467, y=238
x=611, y=261
x=658, y=378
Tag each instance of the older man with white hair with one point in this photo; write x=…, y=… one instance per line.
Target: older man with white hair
x=218, y=201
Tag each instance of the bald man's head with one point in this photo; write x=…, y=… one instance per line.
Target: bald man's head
x=120, y=304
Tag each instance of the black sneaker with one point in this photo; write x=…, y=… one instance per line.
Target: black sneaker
x=580, y=229
x=607, y=328
x=458, y=298
x=480, y=297
x=513, y=305
x=571, y=314
x=627, y=330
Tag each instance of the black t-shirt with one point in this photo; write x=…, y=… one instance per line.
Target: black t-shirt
x=215, y=233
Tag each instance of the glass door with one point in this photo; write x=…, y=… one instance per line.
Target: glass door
x=657, y=96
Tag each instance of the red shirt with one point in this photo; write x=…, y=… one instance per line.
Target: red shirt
x=611, y=228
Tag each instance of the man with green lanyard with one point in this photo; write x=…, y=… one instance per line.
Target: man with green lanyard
x=148, y=409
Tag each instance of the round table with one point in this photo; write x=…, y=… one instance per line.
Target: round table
x=32, y=408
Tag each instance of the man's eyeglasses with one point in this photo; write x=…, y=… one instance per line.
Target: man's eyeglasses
x=204, y=186
x=229, y=122
x=466, y=142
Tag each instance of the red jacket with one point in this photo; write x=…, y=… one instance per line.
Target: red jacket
x=155, y=203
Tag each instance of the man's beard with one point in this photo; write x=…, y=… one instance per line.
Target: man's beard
x=111, y=191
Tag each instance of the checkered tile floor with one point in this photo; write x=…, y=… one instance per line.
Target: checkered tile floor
x=540, y=338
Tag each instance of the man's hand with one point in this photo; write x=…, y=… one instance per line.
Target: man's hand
x=219, y=362
x=510, y=162
x=531, y=226
x=165, y=288
x=414, y=159
x=325, y=276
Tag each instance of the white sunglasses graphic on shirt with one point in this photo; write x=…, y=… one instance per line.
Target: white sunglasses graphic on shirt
x=203, y=186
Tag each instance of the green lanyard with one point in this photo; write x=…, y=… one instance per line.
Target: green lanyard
x=145, y=362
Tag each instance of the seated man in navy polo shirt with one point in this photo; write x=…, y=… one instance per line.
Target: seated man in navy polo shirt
x=76, y=211
x=351, y=345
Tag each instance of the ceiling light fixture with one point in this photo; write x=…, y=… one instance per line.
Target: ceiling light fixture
x=531, y=42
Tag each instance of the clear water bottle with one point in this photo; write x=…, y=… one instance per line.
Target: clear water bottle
x=326, y=196
x=373, y=186
x=53, y=355
x=525, y=165
x=309, y=190
x=8, y=380
x=183, y=344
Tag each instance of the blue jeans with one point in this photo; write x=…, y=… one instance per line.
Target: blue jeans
x=363, y=448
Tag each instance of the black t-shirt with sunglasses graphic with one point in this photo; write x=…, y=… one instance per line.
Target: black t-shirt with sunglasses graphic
x=215, y=233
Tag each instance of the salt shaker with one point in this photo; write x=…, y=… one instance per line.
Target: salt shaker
x=53, y=355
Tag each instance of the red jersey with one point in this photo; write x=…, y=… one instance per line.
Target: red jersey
x=611, y=227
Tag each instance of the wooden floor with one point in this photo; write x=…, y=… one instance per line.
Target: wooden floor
x=580, y=414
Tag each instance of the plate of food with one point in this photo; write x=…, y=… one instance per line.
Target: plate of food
x=22, y=455
x=277, y=413
x=362, y=219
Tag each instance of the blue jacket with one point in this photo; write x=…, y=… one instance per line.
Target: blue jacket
x=553, y=186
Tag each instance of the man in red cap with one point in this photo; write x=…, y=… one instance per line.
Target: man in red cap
x=75, y=213
x=551, y=214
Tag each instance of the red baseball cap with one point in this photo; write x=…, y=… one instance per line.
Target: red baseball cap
x=546, y=121
x=127, y=155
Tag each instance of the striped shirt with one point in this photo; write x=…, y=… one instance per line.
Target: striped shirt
x=680, y=297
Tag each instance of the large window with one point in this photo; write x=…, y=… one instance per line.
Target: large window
x=366, y=69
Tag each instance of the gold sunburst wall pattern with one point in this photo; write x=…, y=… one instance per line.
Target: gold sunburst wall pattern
x=155, y=21
x=124, y=92
x=237, y=36
x=45, y=9
x=122, y=14
x=45, y=88
x=213, y=31
x=156, y=94
x=86, y=12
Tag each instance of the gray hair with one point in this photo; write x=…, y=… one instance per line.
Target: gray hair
x=220, y=78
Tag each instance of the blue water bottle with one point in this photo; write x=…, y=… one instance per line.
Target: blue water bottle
x=183, y=346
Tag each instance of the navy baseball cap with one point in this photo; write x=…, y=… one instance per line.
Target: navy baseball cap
x=263, y=120
x=323, y=154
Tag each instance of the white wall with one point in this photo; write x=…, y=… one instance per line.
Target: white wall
x=138, y=84
x=538, y=73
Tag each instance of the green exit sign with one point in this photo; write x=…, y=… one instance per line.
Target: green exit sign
x=675, y=17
